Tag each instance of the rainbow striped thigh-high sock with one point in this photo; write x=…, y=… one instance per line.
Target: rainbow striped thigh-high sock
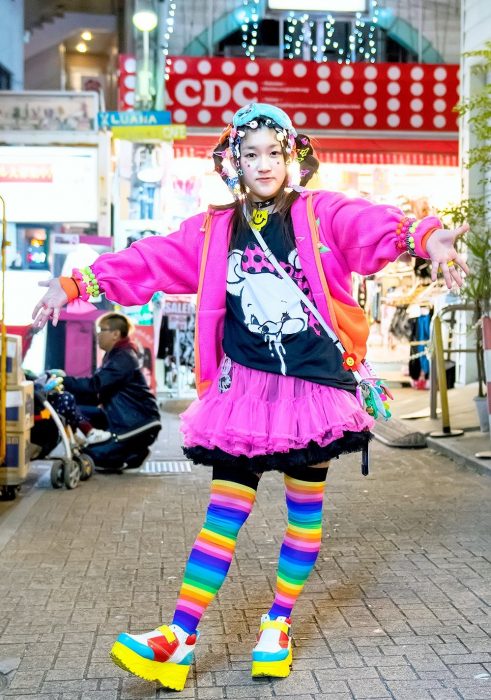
x=272, y=655
x=211, y=556
x=166, y=654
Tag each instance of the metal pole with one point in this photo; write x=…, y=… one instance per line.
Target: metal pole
x=281, y=42
x=442, y=383
x=3, y=357
x=211, y=12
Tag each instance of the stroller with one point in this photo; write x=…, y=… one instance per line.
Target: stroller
x=53, y=439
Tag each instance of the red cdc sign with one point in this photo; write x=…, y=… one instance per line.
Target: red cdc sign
x=324, y=96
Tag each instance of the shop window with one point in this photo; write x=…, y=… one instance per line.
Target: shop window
x=32, y=248
x=5, y=78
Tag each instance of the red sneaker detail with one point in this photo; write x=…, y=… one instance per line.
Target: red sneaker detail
x=162, y=648
x=192, y=639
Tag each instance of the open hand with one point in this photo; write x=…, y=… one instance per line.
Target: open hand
x=50, y=304
x=441, y=249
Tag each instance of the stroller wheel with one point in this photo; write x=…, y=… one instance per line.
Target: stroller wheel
x=71, y=473
x=86, y=466
x=57, y=472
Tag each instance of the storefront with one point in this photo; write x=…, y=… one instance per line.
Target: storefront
x=53, y=178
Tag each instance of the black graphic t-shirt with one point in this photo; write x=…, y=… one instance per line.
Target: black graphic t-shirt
x=266, y=325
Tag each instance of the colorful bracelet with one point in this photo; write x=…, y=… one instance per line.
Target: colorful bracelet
x=410, y=244
x=87, y=283
x=401, y=232
x=427, y=237
x=70, y=287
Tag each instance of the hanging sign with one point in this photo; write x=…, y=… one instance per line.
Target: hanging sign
x=107, y=120
x=163, y=132
x=395, y=97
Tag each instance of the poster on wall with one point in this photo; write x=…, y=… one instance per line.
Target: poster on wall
x=328, y=96
x=45, y=111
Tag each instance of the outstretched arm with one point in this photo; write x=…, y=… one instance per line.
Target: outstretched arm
x=131, y=276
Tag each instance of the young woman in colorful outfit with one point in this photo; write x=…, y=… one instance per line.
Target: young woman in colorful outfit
x=274, y=391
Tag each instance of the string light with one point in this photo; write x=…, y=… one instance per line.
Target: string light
x=249, y=27
x=168, y=30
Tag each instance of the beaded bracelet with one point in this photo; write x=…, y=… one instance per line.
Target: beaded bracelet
x=90, y=281
x=410, y=244
x=401, y=231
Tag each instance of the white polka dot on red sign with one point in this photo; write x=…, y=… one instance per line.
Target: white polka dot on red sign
x=204, y=116
x=130, y=99
x=370, y=104
x=370, y=88
x=393, y=88
x=347, y=87
x=416, y=89
x=347, y=119
x=347, y=72
x=417, y=73
x=393, y=120
x=276, y=69
x=323, y=119
x=393, y=104
x=440, y=73
x=227, y=116
x=416, y=104
x=440, y=89
x=204, y=67
x=130, y=82
x=323, y=72
x=439, y=121
x=228, y=67
x=300, y=70
x=130, y=65
x=416, y=120
x=179, y=115
x=323, y=87
x=299, y=118
x=370, y=72
x=179, y=66
x=252, y=68
x=394, y=73
x=370, y=119
x=439, y=105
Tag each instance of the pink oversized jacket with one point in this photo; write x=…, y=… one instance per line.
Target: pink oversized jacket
x=335, y=236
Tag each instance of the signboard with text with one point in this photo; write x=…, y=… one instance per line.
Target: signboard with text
x=377, y=97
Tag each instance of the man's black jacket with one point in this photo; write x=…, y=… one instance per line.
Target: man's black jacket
x=120, y=387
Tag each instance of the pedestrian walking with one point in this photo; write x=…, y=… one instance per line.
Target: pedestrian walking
x=280, y=346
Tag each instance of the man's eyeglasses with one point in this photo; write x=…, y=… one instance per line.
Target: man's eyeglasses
x=103, y=330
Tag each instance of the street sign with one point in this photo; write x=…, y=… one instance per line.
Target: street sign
x=164, y=132
x=107, y=120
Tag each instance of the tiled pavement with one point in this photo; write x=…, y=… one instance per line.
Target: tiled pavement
x=397, y=607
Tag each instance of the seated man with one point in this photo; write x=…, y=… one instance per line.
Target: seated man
x=117, y=397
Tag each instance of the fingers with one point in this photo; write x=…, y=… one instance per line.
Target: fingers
x=37, y=308
x=462, y=263
x=44, y=283
x=434, y=270
x=56, y=316
x=461, y=230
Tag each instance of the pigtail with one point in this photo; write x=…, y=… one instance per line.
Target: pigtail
x=305, y=156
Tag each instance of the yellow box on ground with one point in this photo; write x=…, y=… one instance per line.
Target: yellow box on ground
x=16, y=458
x=15, y=375
x=20, y=406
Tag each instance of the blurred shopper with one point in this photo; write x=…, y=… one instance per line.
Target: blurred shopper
x=116, y=399
x=275, y=391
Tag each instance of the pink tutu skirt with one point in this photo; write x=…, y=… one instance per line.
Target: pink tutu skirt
x=268, y=421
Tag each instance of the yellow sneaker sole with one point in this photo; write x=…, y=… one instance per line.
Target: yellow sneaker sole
x=274, y=669
x=172, y=676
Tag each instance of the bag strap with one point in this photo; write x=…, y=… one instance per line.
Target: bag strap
x=305, y=300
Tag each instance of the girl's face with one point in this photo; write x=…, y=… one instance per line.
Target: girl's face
x=262, y=163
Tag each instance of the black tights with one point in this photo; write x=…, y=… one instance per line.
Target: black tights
x=246, y=477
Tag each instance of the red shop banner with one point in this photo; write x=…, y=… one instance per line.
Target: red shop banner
x=205, y=92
